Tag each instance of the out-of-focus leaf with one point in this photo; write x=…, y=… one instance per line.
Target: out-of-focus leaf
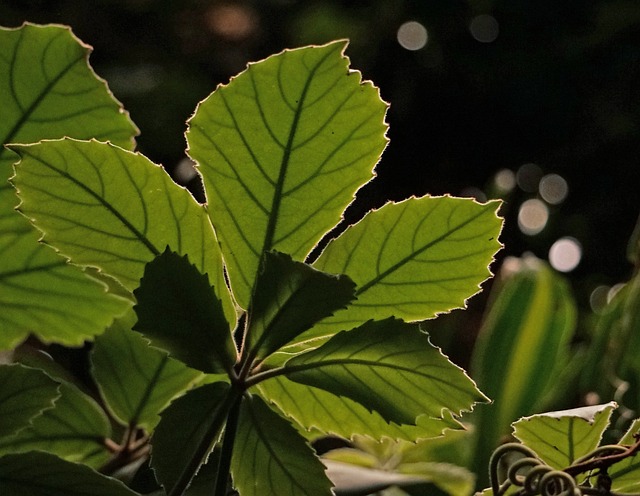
x=136, y=380
x=42, y=474
x=48, y=90
x=270, y=457
x=522, y=348
x=186, y=433
x=75, y=429
x=105, y=207
x=389, y=367
x=559, y=438
x=326, y=413
x=633, y=248
x=412, y=260
x=24, y=394
x=290, y=297
x=179, y=312
x=282, y=151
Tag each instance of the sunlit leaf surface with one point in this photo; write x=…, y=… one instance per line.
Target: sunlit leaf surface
x=561, y=437
x=42, y=474
x=282, y=151
x=413, y=259
x=115, y=210
x=24, y=394
x=179, y=312
x=136, y=380
x=389, y=367
x=270, y=457
x=75, y=429
x=48, y=90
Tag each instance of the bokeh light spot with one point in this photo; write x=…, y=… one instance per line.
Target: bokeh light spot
x=484, y=28
x=528, y=177
x=553, y=189
x=565, y=254
x=412, y=35
x=505, y=180
x=599, y=298
x=532, y=216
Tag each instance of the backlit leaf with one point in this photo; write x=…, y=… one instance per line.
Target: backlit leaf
x=179, y=312
x=186, y=433
x=626, y=474
x=389, y=367
x=290, y=297
x=108, y=208
x=136, y=380
x=48, y=90
x=561, y=437
x=75, y=429
x=270, y=457
x=282, y=150
x=41, y=474
x=24, y=394
x=326, y=413
x=413, y=259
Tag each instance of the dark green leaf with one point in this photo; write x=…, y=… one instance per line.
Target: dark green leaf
x=282, y=151
x=390, y=367
x=187, y=431
x=24, y=394
x=270, y=457
x=75, y=429
x=179, y=312
x=290, y=297
x=41, y=474
x=136, y=380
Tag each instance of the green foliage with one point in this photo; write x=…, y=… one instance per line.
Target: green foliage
x=282, y=150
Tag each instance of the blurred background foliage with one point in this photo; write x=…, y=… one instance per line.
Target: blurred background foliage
x=534, y=102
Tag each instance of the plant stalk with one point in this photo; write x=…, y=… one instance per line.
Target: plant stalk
x=226, y=452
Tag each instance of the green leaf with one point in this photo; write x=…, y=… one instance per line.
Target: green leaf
x=413, y=259
x=390, y=367
x=75, y=429
x=179, y=312
x=24, y=394
x=290, y=297
x=326, y=413
x=42, y=474
x=270, y=457
x=136, y=381
x=115, y=210
x=522, y=348
x=626, y=474
x=186, y=433
x=282, y=150
x=48, y=90
x=559, y=438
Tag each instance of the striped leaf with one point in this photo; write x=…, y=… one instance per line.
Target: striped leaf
x=48, y=90
x=282, y=150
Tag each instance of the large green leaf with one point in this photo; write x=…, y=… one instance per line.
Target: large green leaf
x=186, y=433
x=290, y=297
x=75, y=429
x=282, y=151
x=136, y=380
x=413, y=259
x=559, y=438
x=24, y=394
x=522, y=348
x=42, y=474
x=108, y=208
x=626, y=474
x=48, y=90
x=179, y=312
x=389, y=367
x=270, y=457
x=325, y=413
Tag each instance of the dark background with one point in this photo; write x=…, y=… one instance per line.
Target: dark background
x=558, y=87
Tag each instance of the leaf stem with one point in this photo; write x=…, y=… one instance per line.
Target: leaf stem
x=226, y=452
